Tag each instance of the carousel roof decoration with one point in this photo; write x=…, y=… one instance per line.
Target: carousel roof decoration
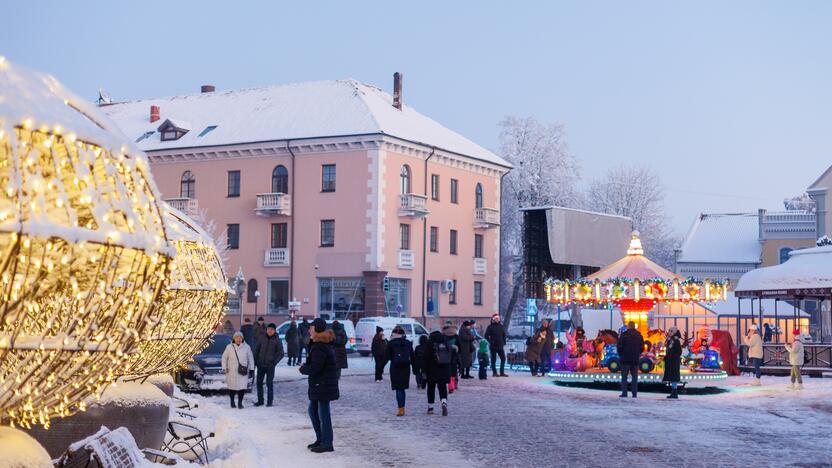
x=634, y=283
x=83, y=249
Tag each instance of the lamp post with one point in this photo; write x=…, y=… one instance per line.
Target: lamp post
x=256, y=300
x=240, y=288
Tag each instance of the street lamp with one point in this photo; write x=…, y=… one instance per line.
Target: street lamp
x=256, y=300
x=240, y=288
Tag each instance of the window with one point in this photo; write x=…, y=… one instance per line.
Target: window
x=454, y=191
x=233, y=183
x=434, y=239
x=478, y=200
x=477, y=245
x=328, y=233
x=172, y=131
x=279, y=236
x=232, y=232
x=207, y=130
x=251, y=289
x=452, y=294
x=278, y=296
x=340, y=296
x=477, y=292
x=404, y=179
x=328, y=178
x=280, y=180
x=453, y=241
x=432, y=303
x=168, y=135
x=396, y=299
x=187, y=185
x=784, y=254
x=434, y=187
x=404, y=236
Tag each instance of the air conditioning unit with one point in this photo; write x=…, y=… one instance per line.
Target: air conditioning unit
x=447, y=286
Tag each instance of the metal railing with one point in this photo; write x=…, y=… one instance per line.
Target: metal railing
x=486, y=217
x=276, y=257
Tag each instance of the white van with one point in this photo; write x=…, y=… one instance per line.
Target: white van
x=366, y=329
x=348, y=327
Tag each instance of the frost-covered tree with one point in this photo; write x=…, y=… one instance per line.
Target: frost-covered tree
x=800, y=202
x=638, y=193
x=218, y=236
x=544, y=173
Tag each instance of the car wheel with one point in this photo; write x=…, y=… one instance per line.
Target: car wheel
x=614, y=365
x=645, y=365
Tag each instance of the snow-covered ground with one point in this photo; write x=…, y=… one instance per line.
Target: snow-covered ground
x=525, y=421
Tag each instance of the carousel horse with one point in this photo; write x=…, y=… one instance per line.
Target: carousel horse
x=579, y=351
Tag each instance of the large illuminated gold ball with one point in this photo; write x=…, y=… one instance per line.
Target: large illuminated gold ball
x=192, y=304
x=83, y=249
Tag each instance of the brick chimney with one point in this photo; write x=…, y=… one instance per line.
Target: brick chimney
x=208, y=88
x=154, y=113
x=397, y=90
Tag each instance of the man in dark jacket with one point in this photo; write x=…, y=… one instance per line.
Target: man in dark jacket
x=496, y=336
x=267, y=353
x=436, y=369
x=340, y=344
x=293, y=343
x=248, y=333
x=304, y=337
x=466, y=349
x=259, y=330
x=379, y=351
x=323, y=384
x=548, y=346
x=630, y=347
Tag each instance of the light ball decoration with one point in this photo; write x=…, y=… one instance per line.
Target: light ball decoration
x=83, y=249
x=190, y=307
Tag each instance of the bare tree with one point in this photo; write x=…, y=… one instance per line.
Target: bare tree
x=638, y=193
x=218, y=236
x=800, y=202
x=545, y=173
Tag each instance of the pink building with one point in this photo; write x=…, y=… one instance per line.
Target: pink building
x=326, y=189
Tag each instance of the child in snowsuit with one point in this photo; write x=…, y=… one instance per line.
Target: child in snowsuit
x=418, y=358
x=482, y=358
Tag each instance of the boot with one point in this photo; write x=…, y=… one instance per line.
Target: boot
x=493, y=373
x=430, y=410
x=674, y=395
x=800, y=386
x=444, y=408
x=756, y=382
x=791, y=386
x=240, y=400
x=233, y=405
x=400, y=412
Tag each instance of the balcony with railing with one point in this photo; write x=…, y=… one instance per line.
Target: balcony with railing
x=796, y=224
x=276, y=257
x=274, y=204
x=480, y=266
x=406, y=259
x=486, y=218
x=189, y=206
x=413, y=205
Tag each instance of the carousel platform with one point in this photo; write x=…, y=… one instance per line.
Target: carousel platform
x=605, y=376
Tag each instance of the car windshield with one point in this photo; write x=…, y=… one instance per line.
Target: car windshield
x=218, y=345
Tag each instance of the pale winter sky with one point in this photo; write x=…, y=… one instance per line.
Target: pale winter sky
x=730, y=101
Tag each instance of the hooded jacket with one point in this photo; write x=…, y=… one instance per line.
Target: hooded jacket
x=755, y=345
x=466, y=346
x=496, y=335
x=321, y=368
x=796, y=351
x=433, y=371
x=340, y=343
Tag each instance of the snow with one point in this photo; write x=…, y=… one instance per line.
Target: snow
x=806, y=268
x=292, y=111
x=128, y=394
x=19, y=450
x=722, y=238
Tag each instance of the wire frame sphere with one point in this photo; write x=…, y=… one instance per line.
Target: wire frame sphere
x=83, y=249
x=192, y=304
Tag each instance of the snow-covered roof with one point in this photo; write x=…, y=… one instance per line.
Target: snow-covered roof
x=292, y=111
x=729, y=307
x=722, y=238
x=805, y=269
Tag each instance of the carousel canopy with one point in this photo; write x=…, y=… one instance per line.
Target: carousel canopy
x=808, y=272
x=634, y=265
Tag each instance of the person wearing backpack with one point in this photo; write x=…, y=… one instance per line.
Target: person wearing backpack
x=436, y=369
x=379, y=350
x=452, y=340
x=400, y=357
x=418, y=359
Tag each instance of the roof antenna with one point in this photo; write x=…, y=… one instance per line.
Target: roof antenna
x=103, y=97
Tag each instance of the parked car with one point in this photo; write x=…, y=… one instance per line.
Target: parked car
x=348, y=327
x=366, y=329
x=204, y=371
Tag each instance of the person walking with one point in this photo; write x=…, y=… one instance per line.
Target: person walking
x=630, y=346
x=436, y=369
x=534, y=351
x=482, y=359
x=228, y=328
x=379, y=351
x=237, y=362
x=400, y=356
x=755, y=352
x=466, y=349
x=248, y=332
x=672, y=361
x=418, y=358
x=452, y=341
x=548, y=348
x=259, y=330
x=322, y=375
x=340, y=344
x=796, y=358
x=304, y=338
x=267, y=353
x=496, y=336
x=293, y=343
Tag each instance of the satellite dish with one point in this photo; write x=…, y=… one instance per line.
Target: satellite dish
x=103, y=97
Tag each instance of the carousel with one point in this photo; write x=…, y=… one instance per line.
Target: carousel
x=634, y=285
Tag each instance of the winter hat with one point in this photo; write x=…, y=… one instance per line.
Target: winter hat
x=271, y=325
x=752, y=327
x=495, y=317
x=672, y=331
x=319, y=324
x=261, y=320
x=379, y=329
x=236, y=334
x=796, y=332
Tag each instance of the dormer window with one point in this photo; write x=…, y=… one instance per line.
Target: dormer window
x=173, y=129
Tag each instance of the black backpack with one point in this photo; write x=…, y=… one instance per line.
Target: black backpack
x=443, y=353
x=401, y=355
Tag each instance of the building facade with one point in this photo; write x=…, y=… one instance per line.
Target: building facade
x=333, y=195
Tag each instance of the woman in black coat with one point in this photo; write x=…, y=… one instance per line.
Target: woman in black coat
x=323, y=384
x=672, y=360
x=293, y=344
x=400, y=355
x=466, y=349
x=340, y=344
x=437, y=374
